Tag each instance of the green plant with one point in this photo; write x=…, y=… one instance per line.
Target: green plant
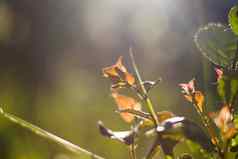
x=216, y=138
x=219, y=44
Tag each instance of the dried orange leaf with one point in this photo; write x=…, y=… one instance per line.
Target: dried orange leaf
x=124, y=102
x=199, y=99
x=129, y=78
x=224, y=121
x=224, y=117
x=214, y=140
x=111, y=71
x=231, y=132
x=118, y=73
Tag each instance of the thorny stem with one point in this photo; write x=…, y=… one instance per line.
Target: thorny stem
x=147, y=99
x=43, y=133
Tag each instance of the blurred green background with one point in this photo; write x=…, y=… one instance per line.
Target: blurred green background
x=52, y=52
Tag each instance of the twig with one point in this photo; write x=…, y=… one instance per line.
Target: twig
x=43, y=133
x=148, y=101
x=137, y=113
x=132, y=151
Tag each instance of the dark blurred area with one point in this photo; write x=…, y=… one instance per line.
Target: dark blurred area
x=52, y=53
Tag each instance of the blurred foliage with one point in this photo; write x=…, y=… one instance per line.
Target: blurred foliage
x=233, y=20
x=52, y=53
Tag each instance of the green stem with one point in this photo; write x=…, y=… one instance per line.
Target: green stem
x=43, y=133
x=132, y=151
x=168, y=157
x=147, y=99
x=207, y=124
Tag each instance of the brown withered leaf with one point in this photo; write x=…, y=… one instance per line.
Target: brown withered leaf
x=224, y=121
x=230, y=133
x=223, y=117
x=118, y=74
x=124, y=102
x=199, y=99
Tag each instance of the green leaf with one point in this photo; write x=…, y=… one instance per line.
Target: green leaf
x=233, y=19
x=217, y=43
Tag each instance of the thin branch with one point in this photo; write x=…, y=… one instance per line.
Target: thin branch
x=132, y=151
x=137, y=113
x=148, y=101
x=43, y=133
x=207, y=124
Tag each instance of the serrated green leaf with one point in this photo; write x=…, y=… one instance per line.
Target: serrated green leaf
x=233, y=19
x=217, y=43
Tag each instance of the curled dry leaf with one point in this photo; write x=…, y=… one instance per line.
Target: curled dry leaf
x=223, y=117
x=230, y=133
x=124, y=102
x=118, y=74
x=224, y=121
x=199, y=99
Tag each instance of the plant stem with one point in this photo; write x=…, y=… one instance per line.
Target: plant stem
x=43, y=133
x=168, y=157
x=147, y=99
x=132, y=151
x=207, y=124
